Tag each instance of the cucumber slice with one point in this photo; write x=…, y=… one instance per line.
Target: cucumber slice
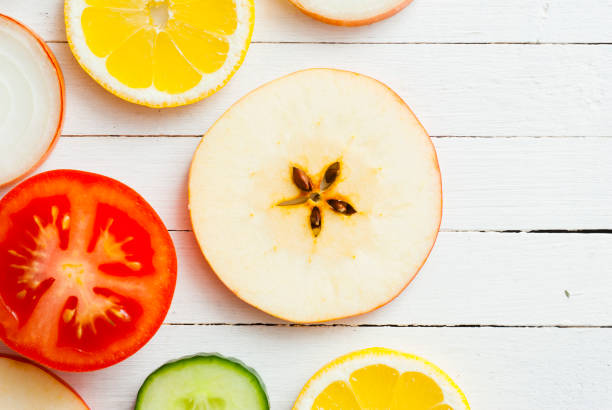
x=203, y=382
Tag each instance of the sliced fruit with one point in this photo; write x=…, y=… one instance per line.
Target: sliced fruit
x=381, y=379
x=160, y=53
x=25, y=386
x=31, y=100
x=332, y=186
x=350, y=12
x=207, y=381
x=87, y=270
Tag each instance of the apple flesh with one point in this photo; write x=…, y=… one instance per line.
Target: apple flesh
x=274, y=229
x=31, y=100
x=26, y=386
x=350, y=12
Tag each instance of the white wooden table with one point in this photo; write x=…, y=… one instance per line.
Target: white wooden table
x=518, y=98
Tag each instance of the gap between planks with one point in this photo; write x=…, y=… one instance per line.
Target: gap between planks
x=431, y=136
x=476, y=43
x=511, y=231
x=390, y=325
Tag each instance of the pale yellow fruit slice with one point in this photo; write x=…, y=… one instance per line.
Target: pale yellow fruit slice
x=350, y=12
x=377, y=221
x=25, y=386
x=380, y=379
x=160, y=53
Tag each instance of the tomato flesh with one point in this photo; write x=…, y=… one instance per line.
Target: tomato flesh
x=87, y=270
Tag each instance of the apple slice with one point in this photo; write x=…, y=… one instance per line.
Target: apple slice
x=350, y=12
x=26, y=386
x=317, y=196
x=31, y=100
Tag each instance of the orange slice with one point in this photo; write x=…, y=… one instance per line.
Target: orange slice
x=160, y=53
x=380, y=379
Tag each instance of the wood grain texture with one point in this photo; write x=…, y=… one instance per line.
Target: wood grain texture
x=502, y=369
x=455, y=90
x=453, y=21
x=470, y=278
x=488, y=183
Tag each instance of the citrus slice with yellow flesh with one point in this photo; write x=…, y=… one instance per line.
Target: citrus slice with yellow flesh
x=381, y=379
x=160, y=53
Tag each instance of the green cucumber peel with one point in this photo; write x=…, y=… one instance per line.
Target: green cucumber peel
x=190, y=383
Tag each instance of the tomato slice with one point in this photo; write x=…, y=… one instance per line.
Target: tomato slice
x=87, y=270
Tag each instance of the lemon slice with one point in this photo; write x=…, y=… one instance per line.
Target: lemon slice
x=381, y=379
x=160, y=53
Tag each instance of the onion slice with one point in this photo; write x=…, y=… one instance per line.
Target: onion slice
x=32, y=100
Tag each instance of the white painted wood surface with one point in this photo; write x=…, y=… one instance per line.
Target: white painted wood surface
x=498, y=368
x=488, y=183
x=489, y=306
x=471, y=278
x=441, y=21
x=456, y=90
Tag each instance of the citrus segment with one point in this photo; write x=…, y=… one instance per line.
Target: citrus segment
x=160, y=53
x=124, y=23
x=336, y=396
x=414, y=390
x=373, y=385
x=206, y=52
x=172, y=73
x=132, y=63
x=380, y=379
x=217, y=16
x=119, y=4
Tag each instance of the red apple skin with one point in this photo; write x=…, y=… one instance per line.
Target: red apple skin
x=56, y=377
x=352, y=23
x=235, y=292
x=60, y=79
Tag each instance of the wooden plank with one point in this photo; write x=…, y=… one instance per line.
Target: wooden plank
x=503, y=369
x=423, y=21
x=470, y=278
x=455, y=90
x=526, y=183
x=481, y=278
x=450, y=21
x=489, y=183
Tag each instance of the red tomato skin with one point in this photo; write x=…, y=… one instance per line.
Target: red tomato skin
x=70, y=359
